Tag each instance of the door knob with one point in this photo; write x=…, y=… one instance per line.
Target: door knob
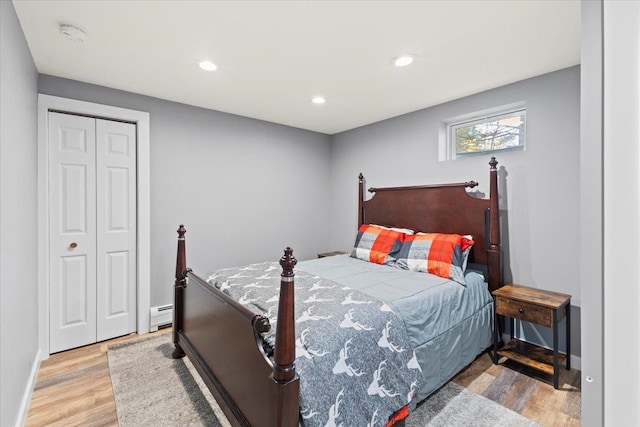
x=73, y=245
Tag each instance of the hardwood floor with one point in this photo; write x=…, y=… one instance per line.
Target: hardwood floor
x=525, y=390
x=74, y=389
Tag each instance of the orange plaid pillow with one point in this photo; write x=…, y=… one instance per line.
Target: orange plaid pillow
x=441, y=254
x=377, y=244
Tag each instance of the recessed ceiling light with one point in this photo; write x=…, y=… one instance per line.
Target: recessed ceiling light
x=208, y=66
x=72, y=33
x=319, y=100
x=403, y=60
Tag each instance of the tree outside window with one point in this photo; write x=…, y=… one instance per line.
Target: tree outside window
x=499, y=132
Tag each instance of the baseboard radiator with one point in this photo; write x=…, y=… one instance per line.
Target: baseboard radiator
x=160, y=316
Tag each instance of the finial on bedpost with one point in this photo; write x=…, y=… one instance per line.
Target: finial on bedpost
x=178, y=292
x=494, y=257
x=181, y=261
x=284, y=369
x=493, y=162
x=287, y=262
x=361, y=186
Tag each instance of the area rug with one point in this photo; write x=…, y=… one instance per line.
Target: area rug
x=152, y=389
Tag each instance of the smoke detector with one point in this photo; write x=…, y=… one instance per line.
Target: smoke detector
x=72, y=33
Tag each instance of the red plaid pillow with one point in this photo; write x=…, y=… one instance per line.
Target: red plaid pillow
x=377, y=244
x=441, y=254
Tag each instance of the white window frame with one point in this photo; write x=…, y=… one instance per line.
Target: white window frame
x=449, y=127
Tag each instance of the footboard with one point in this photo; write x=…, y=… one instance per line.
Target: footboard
x=221, y=338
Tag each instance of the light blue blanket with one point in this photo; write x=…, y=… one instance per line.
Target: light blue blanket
x=449, y=324
x=354, y=356
x=430, y=325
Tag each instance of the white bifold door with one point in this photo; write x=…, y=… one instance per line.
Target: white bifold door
x=92, y=226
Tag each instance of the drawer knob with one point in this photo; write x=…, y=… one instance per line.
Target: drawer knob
x=521, y=310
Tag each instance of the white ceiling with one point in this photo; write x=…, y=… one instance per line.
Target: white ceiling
x=274, y=56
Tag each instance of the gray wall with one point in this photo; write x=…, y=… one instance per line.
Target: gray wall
x=621, y=215
x=591, y=274
x=539, y=187
x=245, y=189
x=18, y=238
x=610, y=200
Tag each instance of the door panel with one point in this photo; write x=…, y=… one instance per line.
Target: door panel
x=117, y=206
x=117, y=282
x=73, y=192
x=73, y=280
x=116, y=228
x=92, y=194
x=72, y=226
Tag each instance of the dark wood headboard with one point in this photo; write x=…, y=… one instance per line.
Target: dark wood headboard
x=445, y=208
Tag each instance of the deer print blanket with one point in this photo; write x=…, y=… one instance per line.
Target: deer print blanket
x=355, y=360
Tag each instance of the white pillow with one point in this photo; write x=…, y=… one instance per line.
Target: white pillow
x=399, y=230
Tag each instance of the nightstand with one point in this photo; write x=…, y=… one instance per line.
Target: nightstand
x=537, y=306
x=326, y=254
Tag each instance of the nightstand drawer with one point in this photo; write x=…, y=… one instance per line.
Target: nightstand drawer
x=524, y=311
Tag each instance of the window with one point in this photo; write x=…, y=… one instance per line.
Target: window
x=483, y=133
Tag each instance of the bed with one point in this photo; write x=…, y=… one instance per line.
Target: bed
x=412, y=328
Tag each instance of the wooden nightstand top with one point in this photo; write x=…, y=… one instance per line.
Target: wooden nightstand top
x=326, y=254
x=533, y=296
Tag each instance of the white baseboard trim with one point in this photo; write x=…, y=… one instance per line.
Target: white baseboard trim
x=576, y=362
x=28, y=391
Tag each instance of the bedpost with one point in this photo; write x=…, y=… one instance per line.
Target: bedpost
x=178, y=292
x=494, y=252
x=361, y=185
x=284, y=370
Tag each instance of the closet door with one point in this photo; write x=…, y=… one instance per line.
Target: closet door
x=116, y=228
x=72, y=225
x=92, y=223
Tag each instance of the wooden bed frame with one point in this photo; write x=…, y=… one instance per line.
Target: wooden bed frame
x=222, y=337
